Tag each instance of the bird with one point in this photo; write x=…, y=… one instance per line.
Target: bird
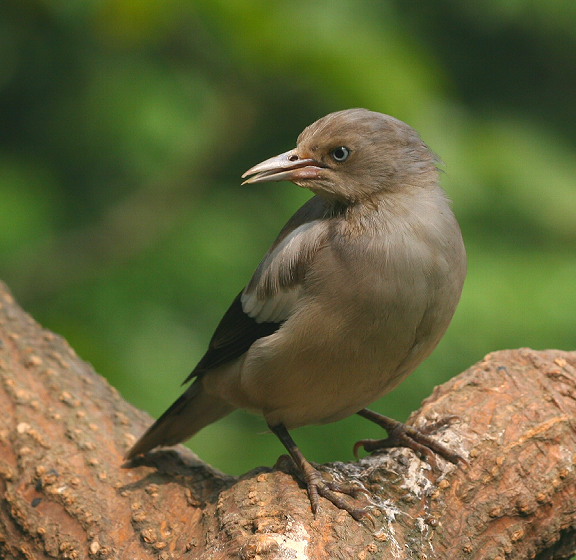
x=355, y=292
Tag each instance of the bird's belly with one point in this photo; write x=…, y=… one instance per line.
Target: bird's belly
x=332, y=371
x=318, y=395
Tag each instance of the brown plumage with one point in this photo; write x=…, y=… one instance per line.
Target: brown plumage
x=358, y=289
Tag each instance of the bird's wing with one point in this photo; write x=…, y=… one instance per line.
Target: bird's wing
x=268, y=300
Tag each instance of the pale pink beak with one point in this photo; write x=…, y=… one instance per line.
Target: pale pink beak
x=284, y=167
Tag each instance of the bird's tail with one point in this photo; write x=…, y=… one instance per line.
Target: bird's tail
x=187, y=415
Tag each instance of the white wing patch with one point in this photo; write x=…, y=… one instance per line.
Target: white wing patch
x=273, y=292
x=273, y=309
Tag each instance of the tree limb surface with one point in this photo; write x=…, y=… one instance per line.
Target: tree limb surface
x=65, y=494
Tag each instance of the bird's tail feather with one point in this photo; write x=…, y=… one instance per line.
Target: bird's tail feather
x=187, y=415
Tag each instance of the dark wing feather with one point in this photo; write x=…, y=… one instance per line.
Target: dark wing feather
x=235, y=333
x=282, y=270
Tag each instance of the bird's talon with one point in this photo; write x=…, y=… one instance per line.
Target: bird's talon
x=333, y=492
x=357, y=446
x=350, y=489
x=434, y=426
x=370, y=445
x=401, y=435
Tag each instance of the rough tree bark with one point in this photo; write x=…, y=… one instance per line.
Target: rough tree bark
x=64, y=493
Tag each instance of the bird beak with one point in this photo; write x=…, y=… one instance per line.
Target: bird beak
x=285, y=167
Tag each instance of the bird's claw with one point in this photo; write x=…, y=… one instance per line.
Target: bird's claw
x=401, y=435
x=354, y=490
x=334, y=492
x=435, y=425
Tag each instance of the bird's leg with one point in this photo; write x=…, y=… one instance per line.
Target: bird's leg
x=401, y=435
x=315, y=483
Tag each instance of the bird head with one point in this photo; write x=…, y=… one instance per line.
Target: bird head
x=352, y=155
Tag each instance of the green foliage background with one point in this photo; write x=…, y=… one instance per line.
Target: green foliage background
x=126, y=126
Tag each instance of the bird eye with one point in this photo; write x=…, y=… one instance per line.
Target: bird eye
x=340, y=154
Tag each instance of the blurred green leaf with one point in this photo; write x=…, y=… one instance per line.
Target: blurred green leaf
x=126, y=127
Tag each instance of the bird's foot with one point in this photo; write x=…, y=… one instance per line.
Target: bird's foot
x=339, y=493
x=401, y=435
x=335, y=492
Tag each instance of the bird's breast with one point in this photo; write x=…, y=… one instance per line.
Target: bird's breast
x=372, y=307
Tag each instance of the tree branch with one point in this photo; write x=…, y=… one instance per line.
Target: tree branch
x=64, y=493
